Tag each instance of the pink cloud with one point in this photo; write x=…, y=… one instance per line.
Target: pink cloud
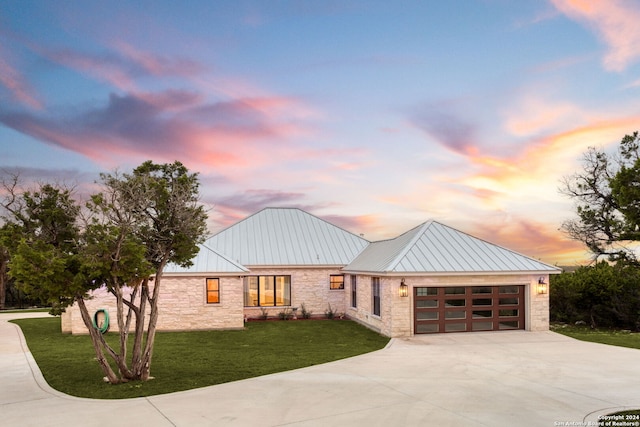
x=614, y=21
x=169, y=125
x=16, y=84
x=123, y=65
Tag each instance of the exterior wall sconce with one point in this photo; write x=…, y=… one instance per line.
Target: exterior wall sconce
x=542, y=286
x=404, y=289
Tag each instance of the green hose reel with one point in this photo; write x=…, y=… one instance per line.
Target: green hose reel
x=103, y=326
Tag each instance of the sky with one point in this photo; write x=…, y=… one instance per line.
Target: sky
x=374, y=115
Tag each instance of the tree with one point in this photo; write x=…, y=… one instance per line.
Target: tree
x=39, y=225
x=157, y=207
x=137, y=224
x=607, y=196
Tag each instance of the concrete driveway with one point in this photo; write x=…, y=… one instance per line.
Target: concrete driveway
x=514, y=378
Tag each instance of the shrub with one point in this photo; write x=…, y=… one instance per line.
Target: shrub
x=285, y=314
x=330, y=312
x=306, y=314
x=600, y=295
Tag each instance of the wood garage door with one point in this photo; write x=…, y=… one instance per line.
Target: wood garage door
x=468, y=308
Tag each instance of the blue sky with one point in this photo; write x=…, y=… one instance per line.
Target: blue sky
x=375, y=115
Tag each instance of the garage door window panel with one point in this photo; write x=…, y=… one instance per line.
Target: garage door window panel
x=455, y=327
x=427, y=304
x=510, y=325
x=482, y=326
x=427, y=315
x=508, y=313
x=457, y=314
x=424, y=292
x=482, y=314
x=455, y=303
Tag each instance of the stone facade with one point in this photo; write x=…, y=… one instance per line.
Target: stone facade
x=396, y=312
x=182, y=306
x=183, y=303
x=309, y=286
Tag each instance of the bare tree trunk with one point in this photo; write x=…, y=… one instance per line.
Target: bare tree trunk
x=153, y=320
x=140, y=323
x=96, y=340
x=121, y=359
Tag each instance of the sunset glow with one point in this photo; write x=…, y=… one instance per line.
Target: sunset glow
x=376, y=116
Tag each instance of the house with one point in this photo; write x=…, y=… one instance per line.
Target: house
x=431, y=279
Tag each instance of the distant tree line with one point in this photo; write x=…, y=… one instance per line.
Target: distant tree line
x=607, y=196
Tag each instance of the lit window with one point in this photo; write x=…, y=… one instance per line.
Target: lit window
x=213, y=291
x=267, y=291
x=336, y=281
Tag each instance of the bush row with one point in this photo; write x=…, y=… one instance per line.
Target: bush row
x=602, y=295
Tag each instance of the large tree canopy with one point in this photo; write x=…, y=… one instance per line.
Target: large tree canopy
x=607, y=196
x=138, y=223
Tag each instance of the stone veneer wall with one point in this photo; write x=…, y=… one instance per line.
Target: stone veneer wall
x=182, y=306
x=309, y=286
x=396, y=313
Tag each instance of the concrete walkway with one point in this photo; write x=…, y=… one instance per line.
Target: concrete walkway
x=482, y=379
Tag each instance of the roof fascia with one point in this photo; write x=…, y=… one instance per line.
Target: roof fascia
x=453, y=273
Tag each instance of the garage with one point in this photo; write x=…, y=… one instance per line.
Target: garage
x=468, y=308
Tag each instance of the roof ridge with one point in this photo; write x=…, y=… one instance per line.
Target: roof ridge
x=422, y=229
x=334, y=225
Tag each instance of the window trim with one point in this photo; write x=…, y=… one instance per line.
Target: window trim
x=208, y=292
x=331, y=282
x=375, y=297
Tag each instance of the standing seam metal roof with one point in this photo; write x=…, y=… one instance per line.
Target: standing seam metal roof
x=433, y=247
x=207, y=261
x=287, y=236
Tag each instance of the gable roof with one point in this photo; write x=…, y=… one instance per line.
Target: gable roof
x=434, y=248
x=287, y=237
x=207, y=261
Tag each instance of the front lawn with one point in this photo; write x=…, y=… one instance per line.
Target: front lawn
x=620, y=338
x=186, y=360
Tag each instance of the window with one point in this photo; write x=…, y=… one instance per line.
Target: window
x=375, y=292
x=213, y=291
x=354, y=291
x=336, y=281
x=267, y=291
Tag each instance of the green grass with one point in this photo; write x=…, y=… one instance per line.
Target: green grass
x=618, y=338
x=187, y=360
